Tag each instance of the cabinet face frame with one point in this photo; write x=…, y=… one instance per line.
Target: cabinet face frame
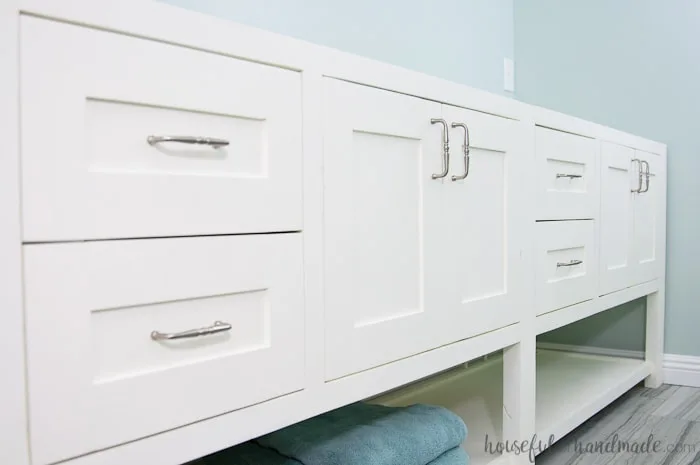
x=13, y=421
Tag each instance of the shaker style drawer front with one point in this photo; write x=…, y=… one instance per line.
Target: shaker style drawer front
x=566, y=264
x=567, y=178
x=130, y=338
x=125, y=137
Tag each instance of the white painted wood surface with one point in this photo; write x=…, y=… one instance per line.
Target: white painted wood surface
x=14, y=448
x=566, y=264
x=567, y=315
x=656, y=302
x=483, y=272
x=90, y=101
x=567, y=175
x=481, y=291
x=105, y=381
x=573, y=387
x=384, y=225
x=648, y=207
x=618, y=179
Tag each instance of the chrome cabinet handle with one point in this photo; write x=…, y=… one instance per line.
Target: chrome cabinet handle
x=639, y=181
x=465, y=150
x=569, y=263
x=217, y=327
x=216, y=143
x=646, y=175
x=570, y=176
x=445, y=148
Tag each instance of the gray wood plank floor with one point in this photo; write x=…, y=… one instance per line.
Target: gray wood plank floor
x=643, y=427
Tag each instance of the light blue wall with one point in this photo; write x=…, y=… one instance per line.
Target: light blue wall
x=633, y=65
x=461, y=40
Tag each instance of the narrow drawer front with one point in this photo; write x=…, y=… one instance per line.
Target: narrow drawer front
x=566, y=264
x=567, y=178
x=107, y=359
x=94, y=105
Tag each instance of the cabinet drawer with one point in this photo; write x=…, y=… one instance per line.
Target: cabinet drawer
x=91, y=100
x=99, y=376
x=566, y=264
x=567, y=178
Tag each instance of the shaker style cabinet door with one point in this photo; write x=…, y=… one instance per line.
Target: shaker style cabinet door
x=619, y=178
x=647, y=208
x=97, y=110
x=384, y=226
x=487, y=224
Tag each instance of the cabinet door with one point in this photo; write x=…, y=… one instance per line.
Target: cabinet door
x=383, y=226
x=619, y=177
x=646, y=219
x=487, y=225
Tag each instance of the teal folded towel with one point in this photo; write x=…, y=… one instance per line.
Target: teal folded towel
x=456, y=456
x=248, y=453
x=366, y=434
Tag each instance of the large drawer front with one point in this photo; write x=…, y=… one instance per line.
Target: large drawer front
x=567, y=178
x=97, y=377
x=567, y=264
x=90, y=101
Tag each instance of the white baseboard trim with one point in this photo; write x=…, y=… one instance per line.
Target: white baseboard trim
x=681, y=370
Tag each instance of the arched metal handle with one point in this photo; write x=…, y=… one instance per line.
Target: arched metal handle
x=570, y=176
x=445, y=148
x=465, y=150
x=214, y=142
x=217, y=327
x=639, y=181
x=569, y=263
x=646, y=174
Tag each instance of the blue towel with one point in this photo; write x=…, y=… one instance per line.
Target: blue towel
x=247, y=453
x=250, y=453
x=366, y=434
x=456, y=456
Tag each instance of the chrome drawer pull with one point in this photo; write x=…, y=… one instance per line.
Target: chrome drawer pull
x=639, y=180
x=570, y=176
x=646, y=173
x=445, y=148
x=216, y=143
x=217, y=327
x=569, y=263
x=465, y=150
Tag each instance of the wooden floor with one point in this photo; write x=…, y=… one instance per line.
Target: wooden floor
x=668, y=417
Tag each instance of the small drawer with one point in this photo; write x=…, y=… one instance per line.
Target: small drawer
x=101, y=368
x=95, y=109
x=567, y=177
x=567, y=264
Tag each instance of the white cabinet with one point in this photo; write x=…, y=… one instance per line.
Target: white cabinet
x=486, y=225
x=384, y=225
x=633, y=185
x=567, y=175
x=414, y=256
x=91, y=100
x=98, y=374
